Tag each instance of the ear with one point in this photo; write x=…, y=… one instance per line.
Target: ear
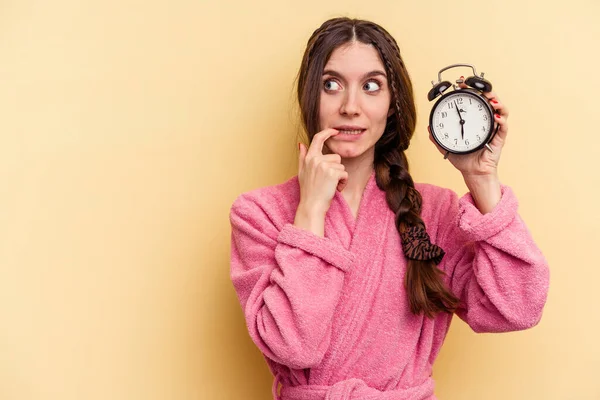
x=390, y=112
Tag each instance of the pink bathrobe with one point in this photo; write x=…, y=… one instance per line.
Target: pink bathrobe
x=331, y=314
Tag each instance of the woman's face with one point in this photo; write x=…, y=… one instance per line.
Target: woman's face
x=355, y=99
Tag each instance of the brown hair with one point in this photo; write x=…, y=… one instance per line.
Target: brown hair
x=426, y=290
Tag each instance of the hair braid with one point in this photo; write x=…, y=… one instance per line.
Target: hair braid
x=427, y=292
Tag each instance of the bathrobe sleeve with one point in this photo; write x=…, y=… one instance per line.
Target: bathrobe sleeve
x=492, y=264
x=288, y=281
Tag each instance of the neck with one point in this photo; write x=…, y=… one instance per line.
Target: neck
x=359, y=171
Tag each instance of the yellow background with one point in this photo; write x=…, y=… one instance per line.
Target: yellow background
x=129, y=127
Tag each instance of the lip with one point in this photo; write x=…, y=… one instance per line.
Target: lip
x=349, y=128
x=347, y=137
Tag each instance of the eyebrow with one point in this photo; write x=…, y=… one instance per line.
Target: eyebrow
x=365, y=76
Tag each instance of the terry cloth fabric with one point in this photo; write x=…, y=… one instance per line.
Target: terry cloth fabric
x=331, y=314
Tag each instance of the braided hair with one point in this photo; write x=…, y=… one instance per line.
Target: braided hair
x=427, y=292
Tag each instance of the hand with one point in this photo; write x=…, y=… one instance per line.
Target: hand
x=319, y=175
x=482, y=163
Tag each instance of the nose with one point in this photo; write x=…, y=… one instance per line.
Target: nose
x=350, y=104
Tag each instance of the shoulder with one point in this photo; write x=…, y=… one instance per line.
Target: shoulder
x=277, y=203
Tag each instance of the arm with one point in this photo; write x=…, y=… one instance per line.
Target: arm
x=493, y=264
x=288, y=282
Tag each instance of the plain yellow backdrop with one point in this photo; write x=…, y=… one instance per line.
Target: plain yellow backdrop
x=129, y=127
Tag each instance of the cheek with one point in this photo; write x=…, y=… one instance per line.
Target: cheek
x=328, y=112
x=328, y=105
x=378, y=111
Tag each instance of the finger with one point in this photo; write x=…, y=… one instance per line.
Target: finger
x=334, y=166
x=324, y=162
x=328, y=169
x=343, y=180
x=301, y=157
x=503, y=128
x=332, y=158
x=316, y=146
x=491, y=96
x=499, y=107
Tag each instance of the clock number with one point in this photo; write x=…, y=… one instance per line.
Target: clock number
x=459, y=100
x=446, y=135
x=467, y=142
x=444, y=114
x=455, y=141
x=485, y=117
x=483, y=128
x=470, y=101
x=450, y=105
x=478, y=138
x=441, y=125
x=479, y=107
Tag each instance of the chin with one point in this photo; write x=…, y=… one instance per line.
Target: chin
x=346, y=152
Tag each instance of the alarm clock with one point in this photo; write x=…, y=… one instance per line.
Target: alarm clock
x=462, y=120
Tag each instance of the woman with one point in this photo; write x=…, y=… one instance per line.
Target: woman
x=349, y=273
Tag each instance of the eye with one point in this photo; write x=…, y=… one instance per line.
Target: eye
x=372, y=86
x=331, y=85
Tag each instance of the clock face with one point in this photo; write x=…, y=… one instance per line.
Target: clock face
x=461, y=121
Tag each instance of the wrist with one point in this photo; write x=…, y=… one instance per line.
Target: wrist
x=485, y=190
x=476, y=180
x=312, y=209
x=311, y=218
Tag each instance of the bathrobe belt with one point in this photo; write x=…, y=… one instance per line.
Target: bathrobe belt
x=356, y=389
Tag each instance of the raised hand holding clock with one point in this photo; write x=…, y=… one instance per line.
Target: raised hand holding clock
x=476, y=151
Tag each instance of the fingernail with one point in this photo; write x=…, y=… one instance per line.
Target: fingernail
x=497, y=116
x=494, y=101
x=462, y=77
x=298, y=146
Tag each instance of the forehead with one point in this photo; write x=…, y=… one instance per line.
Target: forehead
x=355, y=58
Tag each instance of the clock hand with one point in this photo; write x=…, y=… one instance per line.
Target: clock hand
x=457, y=110
x=462, y=122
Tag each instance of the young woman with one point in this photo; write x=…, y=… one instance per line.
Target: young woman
x=349, y=273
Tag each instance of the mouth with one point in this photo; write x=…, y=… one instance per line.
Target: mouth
x=350, y=130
